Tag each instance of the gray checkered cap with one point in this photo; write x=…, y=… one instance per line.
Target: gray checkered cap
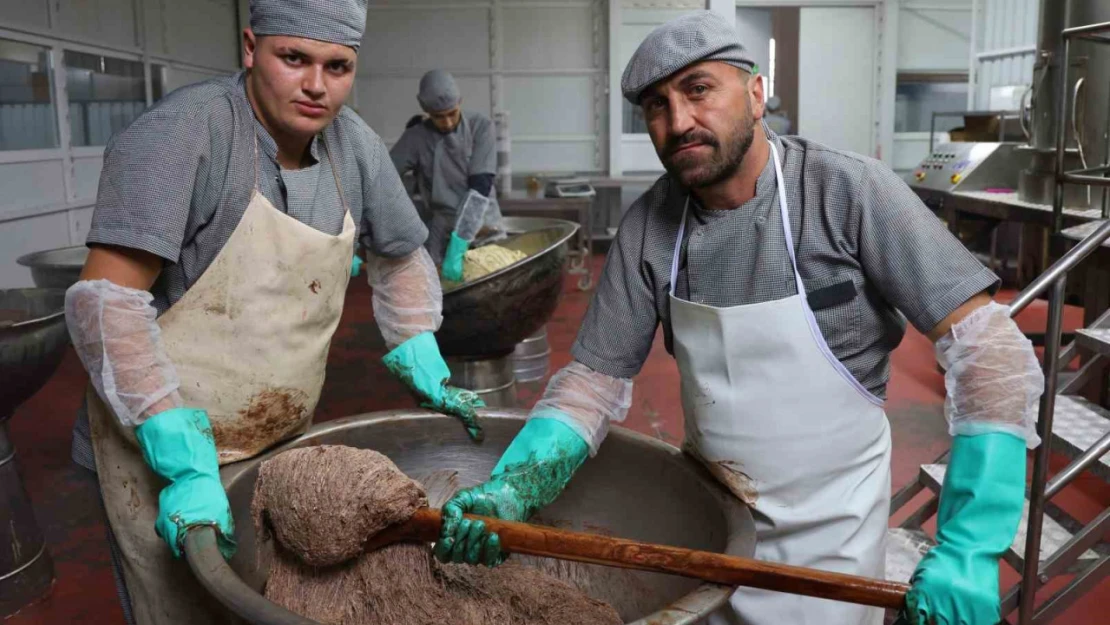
x=438, y=92
x=333, y=21
x=683, y=41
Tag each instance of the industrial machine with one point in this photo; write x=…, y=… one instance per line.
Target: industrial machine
x=970, y=166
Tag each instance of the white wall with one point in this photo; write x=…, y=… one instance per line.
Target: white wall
x=836, y=91
x=934, y=36
x=1005, y=42
x=48, y=194
x=545, y=63
x=754, y=27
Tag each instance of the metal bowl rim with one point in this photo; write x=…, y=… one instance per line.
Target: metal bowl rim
x=555, y=224
x=232, y=472
x=29, y=260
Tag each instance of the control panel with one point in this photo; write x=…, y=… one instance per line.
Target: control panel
x=952, y=164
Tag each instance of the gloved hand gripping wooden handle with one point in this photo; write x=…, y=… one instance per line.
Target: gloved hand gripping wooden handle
x=718, y=568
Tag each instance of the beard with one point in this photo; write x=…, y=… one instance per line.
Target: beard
x=696, y=171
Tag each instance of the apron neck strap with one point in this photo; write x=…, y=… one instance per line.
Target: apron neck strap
x=781, y=186
x=257, y=165
x=678, y=244
x=333, y=162
x=786, y=231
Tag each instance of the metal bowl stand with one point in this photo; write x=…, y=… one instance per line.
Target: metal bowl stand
x=26, y=570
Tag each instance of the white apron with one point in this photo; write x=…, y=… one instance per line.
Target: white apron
x=250, y=342
x=779, y=421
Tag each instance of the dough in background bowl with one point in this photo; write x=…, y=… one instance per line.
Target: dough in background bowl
x=488, y=259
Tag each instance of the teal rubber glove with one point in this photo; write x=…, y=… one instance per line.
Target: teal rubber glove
x=956, y=583
x=178, y=445
x=418, y=363
x=531, y=473
x=356, y=265
x=453, y=258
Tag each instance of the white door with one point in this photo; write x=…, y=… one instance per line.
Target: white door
x=836, y=77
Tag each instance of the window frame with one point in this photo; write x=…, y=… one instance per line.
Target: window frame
x=922, y=77
x=66, y=152
x=148, y=87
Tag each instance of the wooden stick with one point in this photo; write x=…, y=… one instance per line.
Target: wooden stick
x=707, y=566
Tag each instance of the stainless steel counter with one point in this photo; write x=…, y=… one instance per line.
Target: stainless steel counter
x=1007, y=207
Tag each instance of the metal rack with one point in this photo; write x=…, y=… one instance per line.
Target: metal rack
x=1035, y=573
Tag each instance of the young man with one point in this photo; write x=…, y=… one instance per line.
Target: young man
x=453, y=154
x=221, y=247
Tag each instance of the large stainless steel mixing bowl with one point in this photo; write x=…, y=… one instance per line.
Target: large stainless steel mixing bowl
x=31, y=349
x=487, y=317
x=636, y=487
x=55, y=269
x=33, y=338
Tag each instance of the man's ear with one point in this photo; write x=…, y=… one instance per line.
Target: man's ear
x=250, y=44
x=755, y=92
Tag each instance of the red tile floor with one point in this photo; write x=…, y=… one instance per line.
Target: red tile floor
x=64, y=494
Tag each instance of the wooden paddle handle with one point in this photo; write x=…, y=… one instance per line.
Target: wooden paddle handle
x=718, y=568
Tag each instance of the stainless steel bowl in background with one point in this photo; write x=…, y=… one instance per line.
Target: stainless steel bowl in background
x=636, y=487
x=55, y=269
x=31, y=349
x=486, y=318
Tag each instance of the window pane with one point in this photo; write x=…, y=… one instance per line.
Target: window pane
x=915, y=103
x=105, y=95
x=634, y=123
x=27, y=117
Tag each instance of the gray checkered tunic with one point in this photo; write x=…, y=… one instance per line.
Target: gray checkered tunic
x=177, y=181
x=852, y=219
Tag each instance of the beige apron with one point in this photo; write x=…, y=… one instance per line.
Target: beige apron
x=250, y=342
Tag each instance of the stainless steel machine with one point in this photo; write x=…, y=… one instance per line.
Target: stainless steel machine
x=970, y=166
x=1022, y=176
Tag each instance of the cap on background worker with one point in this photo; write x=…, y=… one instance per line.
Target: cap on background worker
x=781, y=270
x=221, y=248
x=454, y=157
